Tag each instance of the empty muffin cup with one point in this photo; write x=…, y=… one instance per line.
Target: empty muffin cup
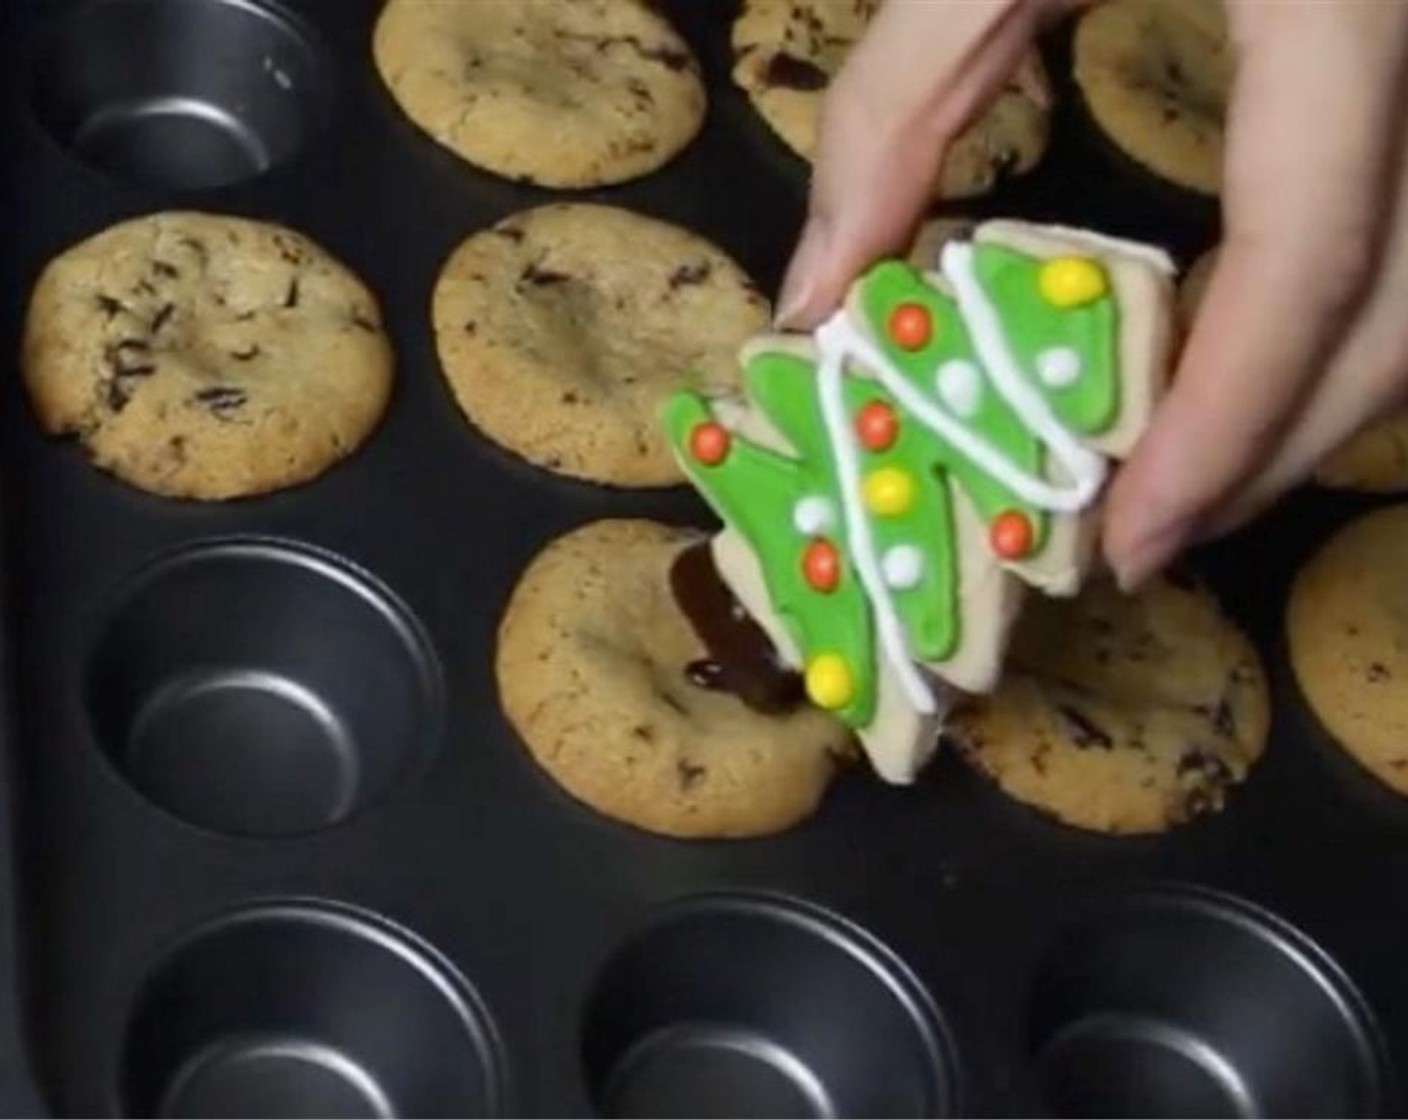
x=259, y=689
x=746, y=1006
x=180, y=93
x=298, y=1010
x=1189, y=1004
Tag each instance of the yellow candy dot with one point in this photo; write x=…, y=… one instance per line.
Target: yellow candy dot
x=829, y=682
x=889, y=491
x=1071, y=281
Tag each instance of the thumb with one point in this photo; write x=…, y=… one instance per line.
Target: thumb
x=920, y=74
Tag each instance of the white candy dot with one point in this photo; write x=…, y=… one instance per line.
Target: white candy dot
x=960, y=386
x=1058, y=366
x=812, y=515
x=902, y=566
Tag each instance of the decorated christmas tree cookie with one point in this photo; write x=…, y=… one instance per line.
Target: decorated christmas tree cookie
x=892, y=484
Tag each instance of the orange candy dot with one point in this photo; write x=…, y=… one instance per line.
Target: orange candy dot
x=877, y=426
x=911, y=326
x=1011, y=534
x=709, y=443
x=821, y=566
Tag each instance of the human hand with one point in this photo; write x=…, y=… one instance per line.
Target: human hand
x=1301, y=338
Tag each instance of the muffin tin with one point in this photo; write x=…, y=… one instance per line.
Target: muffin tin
x=273, y=849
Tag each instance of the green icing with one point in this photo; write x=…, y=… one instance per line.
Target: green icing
x=1091, y=403
x=755, y=490
x=926, y=609
x=892, y=283
x=790, y=400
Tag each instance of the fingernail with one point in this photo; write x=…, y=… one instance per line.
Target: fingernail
x=798, y=286
x=1148, y=556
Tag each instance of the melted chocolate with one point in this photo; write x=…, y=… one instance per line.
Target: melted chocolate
x=708, y=674
x=741, y=658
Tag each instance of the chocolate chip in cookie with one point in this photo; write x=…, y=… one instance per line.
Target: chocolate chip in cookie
x=173, y=349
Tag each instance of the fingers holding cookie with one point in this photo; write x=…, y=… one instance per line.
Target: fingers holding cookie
x=786, y=54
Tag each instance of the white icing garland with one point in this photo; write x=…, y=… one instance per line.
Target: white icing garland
x=1087, y=469
x=893, y=642
x=847, y=341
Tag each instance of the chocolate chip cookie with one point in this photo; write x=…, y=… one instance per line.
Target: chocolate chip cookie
x=1347, y=631
x=1156, y=76
x=562, y=328
x=203, y=356
x=601, y=674
x=573, y=94
x=1122, y=714
x=1373, y=460
x=787, y=51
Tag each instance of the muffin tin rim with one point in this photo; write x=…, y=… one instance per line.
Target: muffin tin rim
x=328, y=71
x=1109, y=902
x=410, y=947
x=942, y=1050
x=351, y=576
